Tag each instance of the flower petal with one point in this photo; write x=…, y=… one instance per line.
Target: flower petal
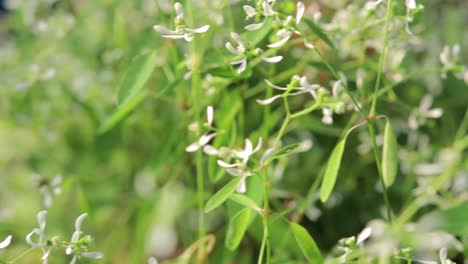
x=210, y=150
x=79, y=220
x=229, y=47
x=435, y=113
x=163, y=30
x=226, y=165
x=269, y=100
x=259, y=145
x=308, y=44
x=253, y=27
x=152, y=260
x=204, y=139
x=237, y=38
x=275, y=86
x=243, y=65
x=179, y=10
x=209, y=114
x=193, y=147
x=365, y=234
x=41, y=219
x=5, y=242
x=201, y=29
x=242, y=187
x=30, y=241
x=274, y=59
x=299, y=12
x=279, y=43
x=250, y=11
x=267, y=10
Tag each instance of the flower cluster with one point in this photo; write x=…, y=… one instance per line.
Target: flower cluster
x=243, y=53
x=77, y=246
x=181, y=30
x=207, y=136
x=239, y=168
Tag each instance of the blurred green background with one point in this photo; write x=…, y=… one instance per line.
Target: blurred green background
x=60, y=66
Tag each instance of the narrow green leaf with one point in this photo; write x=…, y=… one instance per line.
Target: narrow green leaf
x=220, y=196
x=331, y=172
x=319, y=32
x=286, y=150
x=389, y=155
x=244, y=200
x=307, y=244
x=237, y=227
x=122, y=110
x=136, y=76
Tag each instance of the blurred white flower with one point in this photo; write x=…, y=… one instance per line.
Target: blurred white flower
x=289, y=29
x=75, y=249
x=239, y=169
x=299, y=86
x=152, y=260
x=181, y=30
x=239, y=49
x=267, y=11
x=418, y=117
x=206, y=137
x=43, y=242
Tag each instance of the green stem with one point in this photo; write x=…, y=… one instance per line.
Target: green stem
x=20, y=256
x=197, y=107
x=266, y=212
x=382, y=56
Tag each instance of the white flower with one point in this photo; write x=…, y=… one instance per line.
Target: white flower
x=240, y=51
x=42, y=243
x=424, y=111
x=181, y=30
x=73, y=248
x=206, y=137
x=5, y=242
x=327, y=116
x=288, y=30
x=304, y=87
x=267, y=11
x=240, y=168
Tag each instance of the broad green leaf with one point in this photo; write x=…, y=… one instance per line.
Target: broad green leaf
x=136, y=76
x=319, y=32
x=389, y=155
x=244, y=200
x=222, y=195
x=331, y=172
x=453, y=220
x=237, y=227
x=307, y=244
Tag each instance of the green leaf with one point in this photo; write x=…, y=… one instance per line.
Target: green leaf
x=131, y=92
x=331, y=172
x=244, y=200
x=452, y=220
x=122, y=111
x=286, y=150
x=237, y=227
x=307, y=244
x=220, y=196
x=389, y=155
x=319, y=32
x=136, y=76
